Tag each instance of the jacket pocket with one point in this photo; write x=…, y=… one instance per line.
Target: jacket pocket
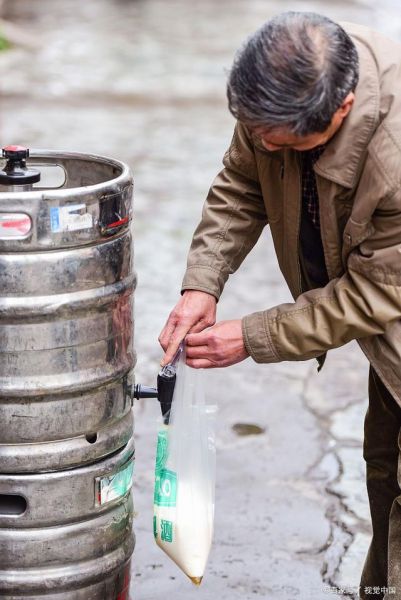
x=354, y=234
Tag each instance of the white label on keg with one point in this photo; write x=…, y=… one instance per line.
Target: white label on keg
x=116, y=485
x=70, y=218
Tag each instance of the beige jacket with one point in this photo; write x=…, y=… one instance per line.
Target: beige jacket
x=359, y=185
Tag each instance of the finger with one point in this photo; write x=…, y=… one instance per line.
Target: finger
x=198, y=327
x=201, y=363
x=198, y=339
x=175, y=340
x=170, y=352
x=197, y=352
x=166, y=333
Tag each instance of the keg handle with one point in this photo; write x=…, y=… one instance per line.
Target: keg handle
x=166, y=379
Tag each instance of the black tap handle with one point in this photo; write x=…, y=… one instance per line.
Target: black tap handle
x=165, y=386
x=165, y=391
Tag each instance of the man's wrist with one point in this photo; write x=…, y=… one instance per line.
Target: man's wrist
x=203, y=290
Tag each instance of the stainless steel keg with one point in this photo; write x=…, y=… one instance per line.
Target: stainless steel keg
x=66, y=371
x=66, y=325
x=67, y=531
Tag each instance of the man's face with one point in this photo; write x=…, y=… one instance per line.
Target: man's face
x=279, y=139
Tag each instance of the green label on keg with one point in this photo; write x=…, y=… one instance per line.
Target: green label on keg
x=116, y=485
x=165, y=488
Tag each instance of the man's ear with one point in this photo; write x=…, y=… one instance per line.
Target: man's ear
x=346, y=105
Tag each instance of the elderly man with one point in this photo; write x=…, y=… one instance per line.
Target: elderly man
x=316, y=153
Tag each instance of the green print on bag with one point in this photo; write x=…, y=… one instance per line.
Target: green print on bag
x=166, y=531
x=161, y=451
x=165, y=488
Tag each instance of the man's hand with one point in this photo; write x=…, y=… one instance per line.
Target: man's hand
x=193, y=313
x=219, y=346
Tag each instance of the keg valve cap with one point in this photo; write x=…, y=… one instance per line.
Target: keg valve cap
x=15, y=171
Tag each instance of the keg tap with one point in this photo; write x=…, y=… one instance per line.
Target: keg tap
x=15, y=174
x=165, y=386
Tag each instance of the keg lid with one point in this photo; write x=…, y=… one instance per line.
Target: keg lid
x=15, y=171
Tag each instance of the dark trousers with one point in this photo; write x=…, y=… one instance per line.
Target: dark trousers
x=381, y=451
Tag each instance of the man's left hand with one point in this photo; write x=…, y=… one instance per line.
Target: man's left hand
x=219, y=346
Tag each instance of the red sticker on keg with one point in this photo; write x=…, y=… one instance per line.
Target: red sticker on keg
x=14, y=225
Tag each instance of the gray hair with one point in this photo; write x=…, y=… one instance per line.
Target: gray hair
x=293, y=73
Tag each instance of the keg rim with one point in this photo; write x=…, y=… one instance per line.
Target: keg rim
x=39, y=153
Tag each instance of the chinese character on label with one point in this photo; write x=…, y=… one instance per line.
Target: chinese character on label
x=166, y=531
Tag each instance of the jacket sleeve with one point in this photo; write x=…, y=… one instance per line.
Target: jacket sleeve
x=361, y=303
x=232, y=220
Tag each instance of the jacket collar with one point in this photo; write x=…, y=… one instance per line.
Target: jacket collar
x=345, y=152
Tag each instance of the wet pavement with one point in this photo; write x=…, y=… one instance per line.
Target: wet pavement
x=144, y=81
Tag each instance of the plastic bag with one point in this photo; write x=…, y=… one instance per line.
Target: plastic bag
x=185, y=476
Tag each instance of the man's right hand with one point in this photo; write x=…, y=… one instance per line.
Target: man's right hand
x=194, y=312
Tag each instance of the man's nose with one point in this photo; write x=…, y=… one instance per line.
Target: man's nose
x=269, y=146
